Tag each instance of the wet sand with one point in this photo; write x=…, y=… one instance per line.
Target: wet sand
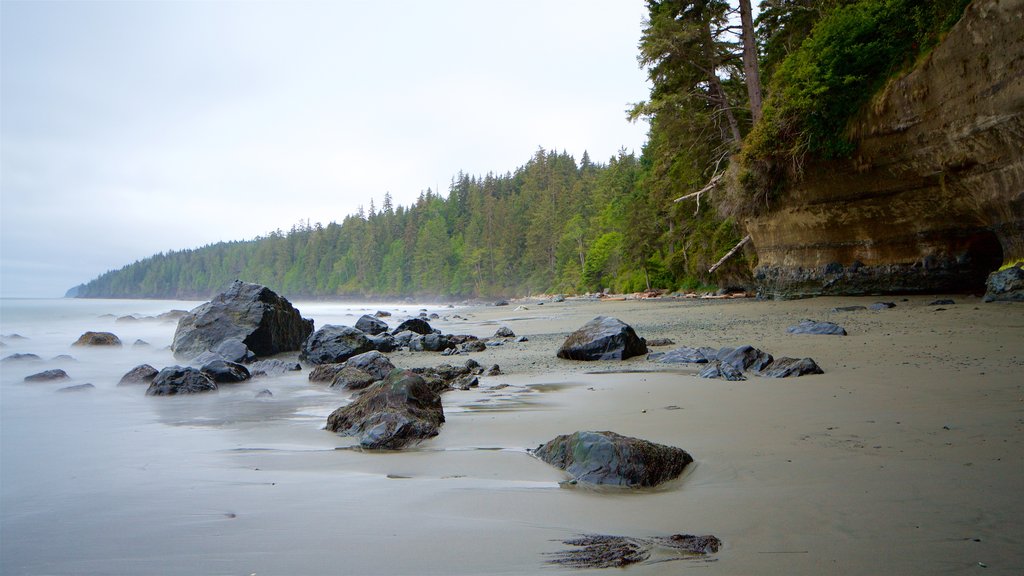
x=905, y=457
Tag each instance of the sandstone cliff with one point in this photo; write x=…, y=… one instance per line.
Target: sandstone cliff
x=933, y=199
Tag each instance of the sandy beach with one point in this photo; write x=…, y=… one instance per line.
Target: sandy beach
x=905, y=457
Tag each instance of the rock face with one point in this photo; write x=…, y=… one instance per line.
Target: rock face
x=97, y=339
x=392, y=414
x=812, y=327
x=180, y=380
x=264, y=322
x=371, y=325
x=931, y=200
x=141, y=374
x=333, y=343
x=610, y=458
x=1007, y=285
x=603, y=338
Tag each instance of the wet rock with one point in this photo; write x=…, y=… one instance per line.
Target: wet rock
x=558, y=298
x=684, y=355
x=382, y=314
x=494, y=370
x=234, y=350
x=613, y=459
x=718, y=369
x=140, y=343
x=790, y=367
x=180, y=380
x=603, y=338
x=660, y=342
x=352, y=378
x=224, y=372
x=392, y=414
x=501, y=303
x=504, y=332
x=821, y=328
x=430, y=343
x=942, y=302
x=371, y=325
x=745, y=358
x=325, y=372
x=97, y=339
x=522, y=339
x=466, y=382
x=48, y=376
x=417, y=325
x=264, y=394
x=1005, y=285
x=272, y=367
x=265, y=322
x=141, y=374
x=403, y=338
x=599, y=551
x=64, y=358
x=882, y=305
x=126, y=319
x=471, y=364
x=442, y=378
x=373, y=363
x=848, y=308
x=77, y=388
x=21, y=358
x=334, y=343
x=171, y=315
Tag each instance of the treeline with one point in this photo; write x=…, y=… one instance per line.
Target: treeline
x=553, y=225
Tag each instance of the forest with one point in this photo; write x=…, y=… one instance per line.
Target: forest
x=736, y=106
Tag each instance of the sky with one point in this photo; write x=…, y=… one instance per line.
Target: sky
x=129, y=128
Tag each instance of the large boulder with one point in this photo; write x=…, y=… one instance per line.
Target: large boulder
x=790, y=367
x=610, y=458
x=264, y=322
x=180, y=380
x=417, y=325
x=373, y=363
x=352, y=378
x=371, y=325
x=392, y=414
x=224, y=372
x=745, y=358
x=603, y=338
x=1007, y=284
x=97, y=339
x=141, y=374
x=333, y=343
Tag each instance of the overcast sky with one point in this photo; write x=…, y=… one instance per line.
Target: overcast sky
x=131, y=128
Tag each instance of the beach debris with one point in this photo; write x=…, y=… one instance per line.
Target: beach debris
x=848, y=308
x=333, y=343
x=392, y=414
x=725, y=371
x=608, y=458
x=818, y=328
x=504, y=332
x=265, y=322
x=21, y=358
x=1005, y=285
x=97, y=339
x=272, y=367
x=790, y=367
x=48, y=376
x=600, y=551
x=371, y=325
x=684, y=355
x=141, y=374
x=942, y=302
x=603, y=338
x=175, y=380
x=882, y=305
x=224, y=372
x=417, y=325
x=77, y=388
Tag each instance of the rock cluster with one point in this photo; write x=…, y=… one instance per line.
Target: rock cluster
x=732, y=363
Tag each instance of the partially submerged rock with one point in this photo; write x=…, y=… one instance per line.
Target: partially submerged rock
x=272, y=367
x=180, y=380
x=371, y=325
x=599, y=551
x=392, y=414
x=77, y=388
x=265, y=322
x=820, y=328
x=224, y=372
x=610, y=458
x=603, y=338
x=48, y=376
x=352, y=378
x=333, y=343
x=373, y=363
x=325, y=372
x=141, y=374
x=21, y=358
x=97, y=339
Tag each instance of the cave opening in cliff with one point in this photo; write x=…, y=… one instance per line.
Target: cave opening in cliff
x=983, y=256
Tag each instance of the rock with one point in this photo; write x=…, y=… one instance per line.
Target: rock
x=48, y=376
x=494, y=370
x=21, y=358
x=434, y=316
x=1006, y=285
x=352, y=378
x=264, y=394
x=603, y=338
x=790, y=367
x=504, y=332
x=334, y=343
x=466, y=382
x=848, y=308
x=126, y=319
x=373, y=363
x=429, y=343
x=265, y=322
x=450, y=352
x=821, y=328
x=97, y=339
x=224, y=372
x=64, y=358
x=942, y=302
x=684, y=355
x=371, y=325
x=442, y=378
x=392, y=414
x=141, y=374
x=234, y=350
x=521, y=309
x=882, y=305
x=140, y=343
x=558, y=298
x=745, y=358
x=180, y=380
x=471, y=364
x=77, y=388
x=522, y=339
x=272, y=367
x=383, y=342
x=13, y=336
x=325, y=372
x=660, y=342
x=722, y=370
x=501, y=303
x=599, y=551
x=171, y=315
x=473, y=346
x=610, y=458
x=382, y=314
x=404, y=337
x=417, y=325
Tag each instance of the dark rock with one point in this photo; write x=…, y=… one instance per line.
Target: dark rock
x=430, y=343
x=64, y=358
x=140, y=344
x=126, y=319
x=434, y=316
x=1005, y=285
x=444, y=377
x=370, y=325
x=417, y=325
x=392, y=414
x=684, y=355
x=180, y=380
x=660, y=342
x=745, y=358
x=610, y=458
x=205, y=358
x=494, y=343
x=77, y=388
x=718, y=369
x=265, y=322
x=812, y=327
x=224, y=372
x=373, y=363
x=382, y=314
x=522, y=339
x=598, y=551
x=21, y=358
x=450, y=352
x=471, y=364
x=172, y=315
x=48, y=376
x=141, y=374
x=466, y=382
x=882, y=305
x=404, y=337
x=352, y=378
x=501, y=303
x=790, y=367
x=382, y=342
x=558, y=298
x=504, y=332
x=97, y=339
x=494, y=370
x=325, y=372
x=603, y=338
x=264, y=394
x=942, y=302
x=272, y=367
x=234, y=350
x=334, y=343
x=848, y=308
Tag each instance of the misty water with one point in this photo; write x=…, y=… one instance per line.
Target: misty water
x=110, y=481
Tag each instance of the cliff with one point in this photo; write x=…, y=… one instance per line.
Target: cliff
x=933, y=198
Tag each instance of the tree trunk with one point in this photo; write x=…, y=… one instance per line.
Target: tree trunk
x=750, y=67
x=715, y=84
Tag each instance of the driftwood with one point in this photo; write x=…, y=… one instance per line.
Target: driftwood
x=730, y=253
